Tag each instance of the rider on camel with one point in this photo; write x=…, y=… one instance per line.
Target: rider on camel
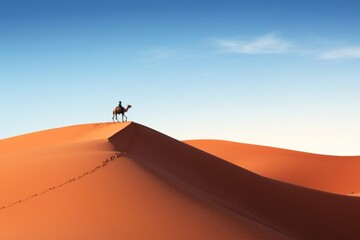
x=121, y=107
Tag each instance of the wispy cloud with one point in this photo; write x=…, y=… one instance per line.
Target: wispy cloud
x=158, y=54
x=262, y=45
x=267, y=44
x=341, y=53
x=273, y=44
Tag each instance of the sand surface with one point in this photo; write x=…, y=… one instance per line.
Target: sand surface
x=337, y=174
x=128, y=181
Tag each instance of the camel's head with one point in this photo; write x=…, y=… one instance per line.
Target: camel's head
x=129, y=106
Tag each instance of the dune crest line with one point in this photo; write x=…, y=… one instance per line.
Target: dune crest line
x=113, y=157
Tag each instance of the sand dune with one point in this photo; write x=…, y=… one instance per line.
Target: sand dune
x=337, y=174
x=119, y=201
x=127, y=181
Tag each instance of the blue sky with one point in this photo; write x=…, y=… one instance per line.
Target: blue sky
x=280, y=73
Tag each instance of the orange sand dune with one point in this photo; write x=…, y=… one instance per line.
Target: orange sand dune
x=299, y=212
x=127, y=181
x=337, y=174
x=73, y=183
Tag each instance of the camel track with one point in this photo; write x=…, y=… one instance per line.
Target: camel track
x=113, y=157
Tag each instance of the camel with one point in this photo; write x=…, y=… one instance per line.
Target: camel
x=118, y=110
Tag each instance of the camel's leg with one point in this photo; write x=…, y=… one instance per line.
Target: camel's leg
x=114, y=116
x=122, y=117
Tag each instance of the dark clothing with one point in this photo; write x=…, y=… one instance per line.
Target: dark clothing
x=121, y=108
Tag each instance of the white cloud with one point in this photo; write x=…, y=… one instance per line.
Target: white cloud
x=268, y=44
x=341, y=53
x=272, y=44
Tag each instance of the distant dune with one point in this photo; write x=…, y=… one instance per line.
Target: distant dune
x=337, y=174
x=127, y=181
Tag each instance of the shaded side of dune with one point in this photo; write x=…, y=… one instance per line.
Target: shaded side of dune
x=296, y=211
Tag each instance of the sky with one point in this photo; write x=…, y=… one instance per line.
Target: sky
x=281, y=73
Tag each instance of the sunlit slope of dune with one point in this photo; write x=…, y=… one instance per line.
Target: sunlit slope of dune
x=300, y=212
x=60, y=192
x=56, y=136
x=337, y=174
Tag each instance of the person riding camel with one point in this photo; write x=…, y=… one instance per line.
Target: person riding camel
x=121, y=107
